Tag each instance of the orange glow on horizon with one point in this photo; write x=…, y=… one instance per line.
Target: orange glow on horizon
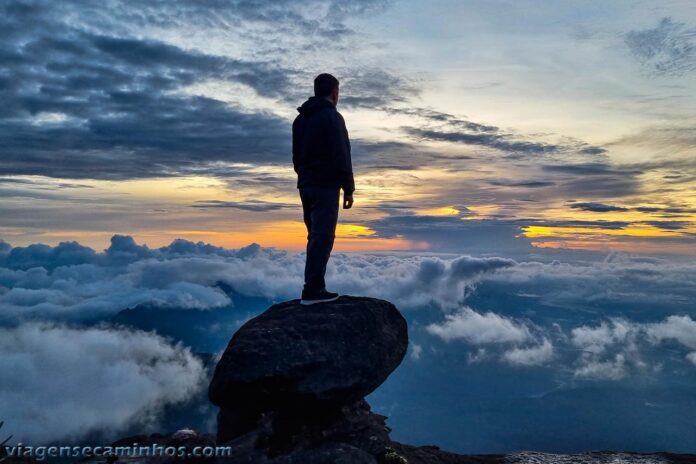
x=550, y=231
x=287, y=235
x=443, y=211
x=290, y=235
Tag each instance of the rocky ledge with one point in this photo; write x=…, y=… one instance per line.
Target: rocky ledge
x=292, y=381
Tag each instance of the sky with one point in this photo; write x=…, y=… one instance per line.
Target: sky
x=504, y=124
x=525, y=196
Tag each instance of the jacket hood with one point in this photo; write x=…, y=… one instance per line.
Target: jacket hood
x=314, y=104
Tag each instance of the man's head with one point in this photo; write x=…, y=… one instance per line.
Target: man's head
x=325, y=85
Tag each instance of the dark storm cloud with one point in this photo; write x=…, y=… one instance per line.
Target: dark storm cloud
x=670, y=210
x=84, y=99
x=533, y=183
x=669, y=48
x=594, y=180
x=604, y=208
x=486, y=139
x=590, y=150
x=522, y=183
x=597, y=169
x=670, y=225
x=119, y=120
x=450, y=128
x=597, y=207
x=250, y=205
x=576, y=223
x=438, y=116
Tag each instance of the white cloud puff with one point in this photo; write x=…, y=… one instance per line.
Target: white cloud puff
x=530, y=356
x=679, y=328
x=477, y=328
x=597, y=339
x=60, y=383
x=614, y=369
x=626, y=340
x=72, y=282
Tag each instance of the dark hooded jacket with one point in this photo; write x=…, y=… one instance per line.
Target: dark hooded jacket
x=320, y=146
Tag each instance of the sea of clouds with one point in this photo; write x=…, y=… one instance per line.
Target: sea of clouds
x=67, y=371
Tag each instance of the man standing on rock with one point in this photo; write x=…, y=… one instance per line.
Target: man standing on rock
x=321, y=159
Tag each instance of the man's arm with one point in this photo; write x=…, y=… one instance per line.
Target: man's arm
x=342, y=158
x=297, y=136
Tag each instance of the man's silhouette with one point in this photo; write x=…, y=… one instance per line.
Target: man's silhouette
x=321, y=159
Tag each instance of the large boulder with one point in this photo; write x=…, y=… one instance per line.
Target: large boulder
x=335, y=352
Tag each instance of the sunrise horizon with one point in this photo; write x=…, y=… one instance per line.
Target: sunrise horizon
x=472, y=223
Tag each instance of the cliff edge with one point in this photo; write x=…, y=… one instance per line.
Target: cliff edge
x=292, y=381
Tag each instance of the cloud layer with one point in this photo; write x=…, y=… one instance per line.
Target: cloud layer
x=61, y=383
x=75, y=283
x=614, y=320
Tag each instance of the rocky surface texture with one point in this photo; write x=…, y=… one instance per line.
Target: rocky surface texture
x=292, y=381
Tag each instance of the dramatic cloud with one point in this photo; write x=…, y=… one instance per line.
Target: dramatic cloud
x=110, y=108
x=450, y=128
x=591, y=299
x=597, y=207
x=61, y=383
x=486, y=139
x=606, y=179
x=70, y=281
x=522, y=183
x=84, y=83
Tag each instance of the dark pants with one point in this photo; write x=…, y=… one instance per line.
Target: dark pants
x=320, y=210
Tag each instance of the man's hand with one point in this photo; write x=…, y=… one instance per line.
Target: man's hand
x=347, y=201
